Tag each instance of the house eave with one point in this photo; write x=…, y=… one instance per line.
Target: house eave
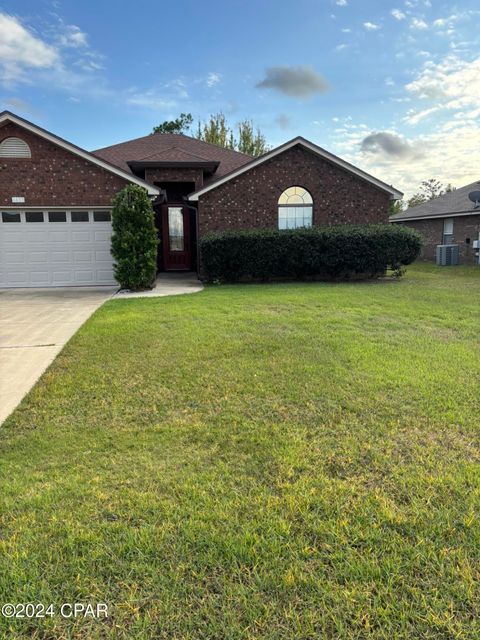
x=209, y=167
x=448, y=214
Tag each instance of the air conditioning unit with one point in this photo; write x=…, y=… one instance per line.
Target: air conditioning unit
x=447, y=254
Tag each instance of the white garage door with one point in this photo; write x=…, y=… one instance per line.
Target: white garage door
x=55, y=248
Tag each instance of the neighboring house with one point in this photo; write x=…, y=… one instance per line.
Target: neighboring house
x=56, y=198
x=448, y=219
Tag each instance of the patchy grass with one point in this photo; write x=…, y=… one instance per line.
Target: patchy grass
x=283, y=461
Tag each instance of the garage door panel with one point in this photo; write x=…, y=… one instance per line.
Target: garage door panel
x=60, y=256
x=102, y=256
x=40, y=278
x=55, y=254
x=65, y=276
x=37, y=237
x=13, y=236
x=104, y=276
x=102, y=236
x=14, y=257
x=85, y=277
x=37, y=257
x=82, y=236
x=18, y=278
x=83, y=256
x=58, y=236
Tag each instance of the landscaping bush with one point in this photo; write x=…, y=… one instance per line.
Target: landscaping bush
x=134, y=239
x=332, y=252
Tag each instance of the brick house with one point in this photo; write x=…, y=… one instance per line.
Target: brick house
x=56, y=198
x=450, y=219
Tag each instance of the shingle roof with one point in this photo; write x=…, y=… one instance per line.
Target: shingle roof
x=173, y=147
x=173, y=154
x=454, y=202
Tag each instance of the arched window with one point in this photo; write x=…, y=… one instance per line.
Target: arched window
x=295, y=207
x=14, y=148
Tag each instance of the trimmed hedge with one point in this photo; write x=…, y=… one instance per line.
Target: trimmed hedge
x=341, y=251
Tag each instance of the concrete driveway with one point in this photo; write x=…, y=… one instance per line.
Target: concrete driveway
x=34, y=326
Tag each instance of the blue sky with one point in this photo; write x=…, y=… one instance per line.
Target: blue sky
x=389, y=86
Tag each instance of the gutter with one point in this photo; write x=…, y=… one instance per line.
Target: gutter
x=471, y=212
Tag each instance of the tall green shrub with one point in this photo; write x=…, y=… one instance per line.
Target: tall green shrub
x=134, y=239
x=341, y=251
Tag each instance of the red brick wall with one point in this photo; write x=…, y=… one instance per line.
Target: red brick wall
x=463, y=227
x=164, y=174
x=251, y=200
x=53, y=176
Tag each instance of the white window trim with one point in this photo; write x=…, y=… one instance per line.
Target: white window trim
x=302, y=205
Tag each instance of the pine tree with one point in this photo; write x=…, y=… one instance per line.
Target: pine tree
x=181, y=124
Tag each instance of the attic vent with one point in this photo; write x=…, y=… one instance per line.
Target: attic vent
x=14, y=148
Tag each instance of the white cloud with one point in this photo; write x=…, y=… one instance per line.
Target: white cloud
x=449, y=84
x=341, y=3
x=448, y=154
x=397, y=14
x=451, y=19
x=418, y=23
x=178, y=86
x=341, y=47
x=21, y=50
x=60, y=60
x=89, y=65
x=346, y=30
x=414, y=117
x=213, y=79
x=150, y=99
x=72, y=37
x=371, y=26
x=452, y=81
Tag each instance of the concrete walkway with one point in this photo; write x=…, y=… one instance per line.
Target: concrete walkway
x=167, y=284
x=34, y=326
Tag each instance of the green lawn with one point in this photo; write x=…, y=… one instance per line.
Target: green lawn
x=275, y=462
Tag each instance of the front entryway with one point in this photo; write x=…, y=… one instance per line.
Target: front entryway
x=176, y=238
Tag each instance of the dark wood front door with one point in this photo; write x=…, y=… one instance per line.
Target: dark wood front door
x=177, y=255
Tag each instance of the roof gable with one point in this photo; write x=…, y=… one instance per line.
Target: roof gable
x=7, y=116
x=326, y=155
x=173, y=147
